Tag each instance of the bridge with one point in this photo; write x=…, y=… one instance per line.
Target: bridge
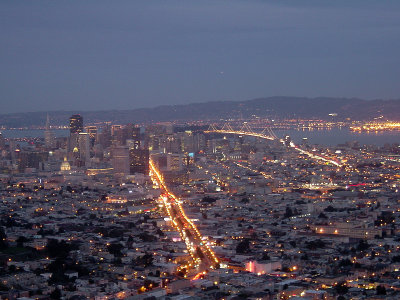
x=268, y=134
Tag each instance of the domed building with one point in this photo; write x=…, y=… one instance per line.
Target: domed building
x=65, y=166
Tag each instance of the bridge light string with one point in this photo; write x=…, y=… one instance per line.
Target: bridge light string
x=292, y=145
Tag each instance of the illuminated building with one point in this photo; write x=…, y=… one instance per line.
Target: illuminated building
x=135, y=136
x=48, y=135
x=75, y=127
x=105, y=136
x=2, y=142
x=75, y=124
x=139, y=161
x=84, y=147
x=262, y=267
x=65, y=166
x=120, y=160
x=115, y=129
x=118, y=135
x=92, y=131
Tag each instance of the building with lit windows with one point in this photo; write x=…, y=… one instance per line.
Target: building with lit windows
x=120, y=161
x=139, y=161
x=75, y=124
x=84, y=147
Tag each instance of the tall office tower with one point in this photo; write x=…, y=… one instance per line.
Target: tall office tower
x=75, y=127
x=153, y=143
x=135, y=136
x=156, y=137
x=105, y=136
x=75, y=124
x=132, y=136
x=13, y=151
x=98, y=151
x=2, y=142
x=117, y=134
x=120, y=161
x=48, y=135
x=92, y=131
x=73, y=142
x=199, y=142
x=173, y=144
x=188, y=142
x=139, y=161
x=120, y=136
x=84, y=147
x=115, y=128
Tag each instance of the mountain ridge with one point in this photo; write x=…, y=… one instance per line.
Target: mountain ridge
x=271, y=107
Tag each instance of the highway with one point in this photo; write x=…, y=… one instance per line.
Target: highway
x=203, y=257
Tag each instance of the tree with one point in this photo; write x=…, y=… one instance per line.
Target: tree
x=12, y=269
x=243, y=246
x=341, y=288
x=380, y=290
x=345, y=263
x=330, y=208
x=56, y=294
x=208, y=199
x=145, y=260
x=3, y=239
x=115, y=249
x=313, y=245
x=265, y=256
x=322, y=216
x=288, y=212
x=304, y=256
x=145, y=237
x=58, y=249
x=244, y=200
x=362, y=245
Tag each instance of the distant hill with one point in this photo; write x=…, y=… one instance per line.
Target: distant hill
x=272, y=107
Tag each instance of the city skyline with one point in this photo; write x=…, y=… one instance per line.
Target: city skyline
x=232, y=209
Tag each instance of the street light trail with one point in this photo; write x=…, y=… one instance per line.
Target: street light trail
x=201, y=253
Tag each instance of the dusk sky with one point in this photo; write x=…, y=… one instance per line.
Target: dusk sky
x=98, y=55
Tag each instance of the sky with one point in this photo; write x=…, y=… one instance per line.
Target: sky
x=100, y=55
